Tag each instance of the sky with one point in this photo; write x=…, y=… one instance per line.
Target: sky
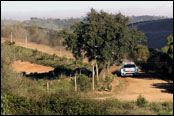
x=23, y=10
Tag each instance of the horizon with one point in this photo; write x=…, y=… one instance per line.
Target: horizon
x=24, y=10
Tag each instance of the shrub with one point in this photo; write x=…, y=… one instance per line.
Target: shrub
x=83, y=82
x=109, y=87
x=164, y=113
x=109, y=78
x=141, y=101
x=102, y=88
x=4, y=105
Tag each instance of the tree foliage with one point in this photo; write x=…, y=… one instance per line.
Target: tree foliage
x=135, y=39
x=101, y=36
x=141, y=53
x=170, y=46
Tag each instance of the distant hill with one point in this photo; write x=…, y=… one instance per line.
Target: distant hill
x=156, y=28
x=9, y=22
x=57, y=24
x=156, y=31
x=135, y=19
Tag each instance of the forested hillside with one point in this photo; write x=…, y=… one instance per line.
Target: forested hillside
x=57, y=24
x=156, y=31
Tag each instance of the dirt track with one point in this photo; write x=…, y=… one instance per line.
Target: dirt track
x=146, y=88
x=154, y=90
x=30, y=67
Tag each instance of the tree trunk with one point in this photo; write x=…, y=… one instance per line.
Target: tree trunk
x=93, y=78
x=102, y=72
x=108, y=67
x=97, y=71
x=75, y=83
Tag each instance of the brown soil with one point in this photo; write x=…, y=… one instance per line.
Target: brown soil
x=30, y=68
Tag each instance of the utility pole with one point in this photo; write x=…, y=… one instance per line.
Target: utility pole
x=11, y=37
x=75, y=84
x=59, y=51
x=60, y=47
x=93, y=78
x=26, y=41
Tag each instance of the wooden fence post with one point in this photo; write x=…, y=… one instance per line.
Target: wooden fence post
x=26, y=41
x=75, y=84
x=93, y=78
x=47, y=87
x=11, y=37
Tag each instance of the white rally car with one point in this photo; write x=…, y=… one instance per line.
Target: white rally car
x=129, y=68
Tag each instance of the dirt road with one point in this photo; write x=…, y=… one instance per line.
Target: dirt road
x=30, y=67
x=154, y=90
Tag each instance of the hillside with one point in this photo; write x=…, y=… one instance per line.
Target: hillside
x=156, y=31
x=57, y=24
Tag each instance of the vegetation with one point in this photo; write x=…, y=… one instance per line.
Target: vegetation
x=160, y=61
x=83, y=82
x=141, y=54
x=169, y=48
x=141, y=101
x=63, y=103
x=4, y=105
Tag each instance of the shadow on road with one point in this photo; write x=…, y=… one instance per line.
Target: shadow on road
x=57, y=72
x=168, y=87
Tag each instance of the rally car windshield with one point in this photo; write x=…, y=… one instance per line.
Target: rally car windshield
x=129, y=66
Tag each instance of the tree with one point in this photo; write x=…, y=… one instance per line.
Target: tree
x=141, y=53
x=100, y=36
x=169, y=48
x=135, y=39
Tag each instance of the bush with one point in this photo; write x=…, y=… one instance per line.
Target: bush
x=164, y=113
x=141, y=101
x=109, y=78
x=4, y=105
x=109, y=87
x=102, y=88
x=83, y=82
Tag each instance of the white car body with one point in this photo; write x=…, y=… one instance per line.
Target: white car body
x=129, y=68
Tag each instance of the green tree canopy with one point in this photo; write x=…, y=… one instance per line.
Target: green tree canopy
x=102, y=37
x=135, y=39
x=141, y=53
x=169, y=48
